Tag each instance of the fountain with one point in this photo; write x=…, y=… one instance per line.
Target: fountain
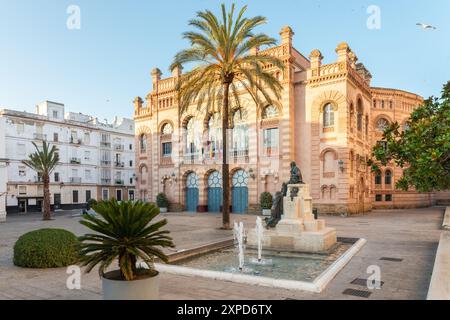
x=299, y=251
x=259, y=231
x=239, y=237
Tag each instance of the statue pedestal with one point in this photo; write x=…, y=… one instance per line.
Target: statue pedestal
x=297, y=231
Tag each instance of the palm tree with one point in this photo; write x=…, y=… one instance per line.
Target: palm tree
x=44, y=162
x=224, y=52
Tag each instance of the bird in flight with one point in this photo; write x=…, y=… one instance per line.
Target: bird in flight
x=426, y=26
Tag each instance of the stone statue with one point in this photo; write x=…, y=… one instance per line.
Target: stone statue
x=296, y=175
x=277, y=207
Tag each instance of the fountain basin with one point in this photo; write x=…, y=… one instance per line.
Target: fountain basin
x=286, y=271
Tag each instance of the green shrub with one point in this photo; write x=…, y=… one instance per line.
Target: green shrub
x=266, y=200
x=46, y=248
x=91, y=203
x=162, y=201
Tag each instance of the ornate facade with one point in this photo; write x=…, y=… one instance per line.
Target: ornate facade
x=327, y=121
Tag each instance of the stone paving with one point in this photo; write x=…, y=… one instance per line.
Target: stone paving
x=411, y=235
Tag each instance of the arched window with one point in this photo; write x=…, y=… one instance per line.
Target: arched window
x=329, y=162
x=359, y=116
x=143, y=143
x=192, y=137
x=388, y=177
x=240, y=131
x=214, y=143
x=378, y=178
x=382, y=124
x=270, y=112
x=352, y=116
x=328, y=116
x=325, y=192
x=352, y=163
x=167, y=129
x=367, y=125
x=333, y=192
x=143, y=174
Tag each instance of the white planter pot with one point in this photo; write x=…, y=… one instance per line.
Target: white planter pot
x=143, y=289
x=267, y=212
x=163, y=210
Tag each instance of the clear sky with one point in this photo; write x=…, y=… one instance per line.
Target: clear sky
x=100, y=68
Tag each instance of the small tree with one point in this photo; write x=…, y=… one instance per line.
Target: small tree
x=266, y=200
x=44, y=162
x=422, y=148
x=162, y=201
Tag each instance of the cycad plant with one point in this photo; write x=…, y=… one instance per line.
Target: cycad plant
x=44, y=161
x=124, y=232
x=224, y=51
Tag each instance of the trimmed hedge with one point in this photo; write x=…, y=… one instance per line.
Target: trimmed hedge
x=162, y=201
x=46, y=248
x=266, y=200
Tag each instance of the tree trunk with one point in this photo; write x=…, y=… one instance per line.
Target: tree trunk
x=47, y=209
x=225, y=165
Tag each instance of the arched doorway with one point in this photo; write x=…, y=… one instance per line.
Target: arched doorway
x=214, y=191
x=240, y=191
x=192, y=192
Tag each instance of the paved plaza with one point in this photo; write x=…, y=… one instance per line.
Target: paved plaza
x=408, y=238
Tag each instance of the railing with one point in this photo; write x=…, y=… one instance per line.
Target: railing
x=105, y=162
x=105, y=144
x=119, y=164
x=75, y=180
x=213, y=156
x=119, y=182
x=75, y=141
x=75, y=161
x=40, y=136
x=105, y=181
x=191, y=158
x=239, y=156
x=119, y=147
x=270, y=151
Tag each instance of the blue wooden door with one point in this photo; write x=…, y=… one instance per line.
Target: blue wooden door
x=192, y=192
x=239, y=192
x=214, y=192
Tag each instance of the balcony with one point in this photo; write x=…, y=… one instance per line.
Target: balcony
x=270, y=152
x=105, y=181
x=105, y=144
x=75, y=180
x=105, y=163
x=119, y=147
x=119, y=182
x=75, y=161
x=75, y=141
x=40, y=136
x=191, y=158
x=240, y=156
x=119, y=164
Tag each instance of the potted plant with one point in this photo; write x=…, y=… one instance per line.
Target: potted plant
x=266, y=202
x=124, y=232
x=162, y=202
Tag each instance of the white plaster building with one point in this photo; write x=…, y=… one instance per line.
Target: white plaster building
x=96, y=159
x=3, y=174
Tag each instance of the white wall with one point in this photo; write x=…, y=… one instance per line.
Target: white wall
x=3, y=171
x=22, y=129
